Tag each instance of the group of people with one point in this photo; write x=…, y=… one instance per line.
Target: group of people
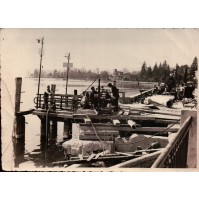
x=94, y=99
x=179, y=90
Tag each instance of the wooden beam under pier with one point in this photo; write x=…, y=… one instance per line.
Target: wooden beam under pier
x=26, y=112
x=139, y=162
x=101, y=158
x=63, y=115
x=124, y=127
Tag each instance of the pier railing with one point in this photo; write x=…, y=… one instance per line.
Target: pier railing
x=64, y=102
x=138, y=97
x=59, y=101
x=175, y=153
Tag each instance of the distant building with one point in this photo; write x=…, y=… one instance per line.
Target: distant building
x=119, y=75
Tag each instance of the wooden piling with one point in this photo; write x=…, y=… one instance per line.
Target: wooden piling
x=19, y=121
x=53, y=129
x=18, y=83
x=19, y=150
x=43, y=127
x=19, y=127
x=75, y=101
x=52, y=98
x=123, y=97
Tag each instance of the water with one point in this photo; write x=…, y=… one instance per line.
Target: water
x=34, y=152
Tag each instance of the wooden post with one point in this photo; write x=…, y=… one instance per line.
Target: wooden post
x=123, y=97
x=19, y=150
x=19, y=121
x=18, y=83
x=19, y=127
x=52, y=98
x=192, y=138
x=75, y=101
x=53, y=129
x=43, y=127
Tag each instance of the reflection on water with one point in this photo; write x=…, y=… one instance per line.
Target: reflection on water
x=38, y=148
x=49, y=151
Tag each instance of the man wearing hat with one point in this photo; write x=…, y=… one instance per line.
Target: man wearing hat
x=115, y=95
x=94, y=97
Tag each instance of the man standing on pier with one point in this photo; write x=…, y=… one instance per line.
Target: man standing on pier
x=47, y=93
x=115, y=95
x=94, y=97
x=171, y=83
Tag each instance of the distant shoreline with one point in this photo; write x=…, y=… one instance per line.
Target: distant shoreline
x=119, y=83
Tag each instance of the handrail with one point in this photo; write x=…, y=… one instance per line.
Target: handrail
x=62, y=101
x=174, y=147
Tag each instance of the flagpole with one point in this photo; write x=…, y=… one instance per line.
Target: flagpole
x=68, y=57
x=41, y=54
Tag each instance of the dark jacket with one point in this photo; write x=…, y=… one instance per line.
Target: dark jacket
x=115, y=91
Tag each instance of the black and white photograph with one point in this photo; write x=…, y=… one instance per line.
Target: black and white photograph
x=99, y=99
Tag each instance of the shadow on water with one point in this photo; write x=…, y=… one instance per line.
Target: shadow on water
x=19, y=151
x=49, y=150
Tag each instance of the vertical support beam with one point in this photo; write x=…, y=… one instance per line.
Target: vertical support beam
x=123, y=97
x=75, y=101
x=43, y=127
x=19, y=150
x=18, y=83
x=52, y=98
x=99, y=105
x=192, y=138
x=19, y=127
x=19, y=121
x=53, y=129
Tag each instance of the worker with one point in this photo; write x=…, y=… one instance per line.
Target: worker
x=170, y=84
x=188, y=90
x=85, y=101
x=46, y=95
x=115, y=96
x=94, y=97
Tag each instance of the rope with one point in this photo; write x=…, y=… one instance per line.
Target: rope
x=92, y=83
x=97, y=134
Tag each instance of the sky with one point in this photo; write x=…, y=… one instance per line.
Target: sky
x=105, y=49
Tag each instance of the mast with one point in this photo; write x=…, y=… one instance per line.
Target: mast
x=68, y=57
x=41, y=54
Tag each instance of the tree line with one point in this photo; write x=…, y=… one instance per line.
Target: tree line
x=160, y=73
x=74, y=73
x=157, y=73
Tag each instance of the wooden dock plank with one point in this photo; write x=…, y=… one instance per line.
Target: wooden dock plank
x=116, y=122
x=68, y=115
x=124, y=127
x=132, y=124
x=137, y=162
x=87, y=121
x=26, y=112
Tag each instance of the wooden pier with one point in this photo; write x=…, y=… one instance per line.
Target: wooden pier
x=106, y=125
